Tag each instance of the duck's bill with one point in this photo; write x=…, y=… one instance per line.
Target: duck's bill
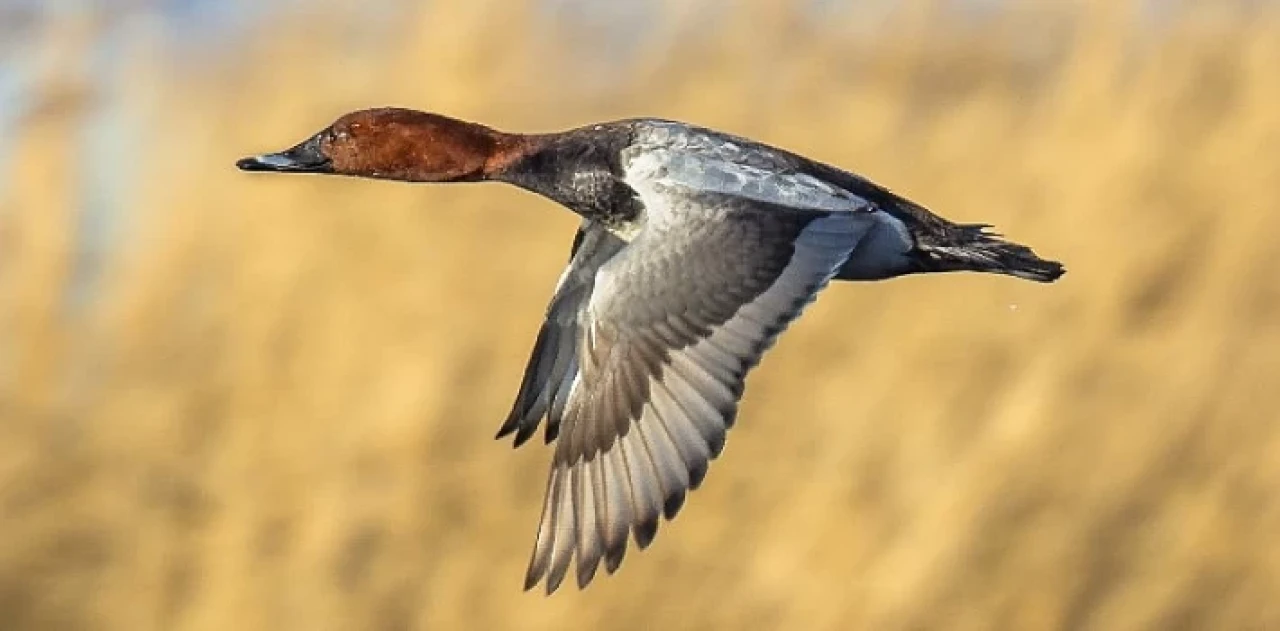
x=304, y=158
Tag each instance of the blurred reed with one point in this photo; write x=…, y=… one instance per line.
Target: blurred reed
x=270, y=405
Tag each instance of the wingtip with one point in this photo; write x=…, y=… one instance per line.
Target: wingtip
x=530, y=581
x=697, y=474
x=671, y=506
x=515, y=425
x=553, y=583
x=645, y=531
x=613, y=558
x=524, y=435
x=586, y=572
x=508, y=426
x=556, y=576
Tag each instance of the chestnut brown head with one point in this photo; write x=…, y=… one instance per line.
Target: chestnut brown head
x=395, y=144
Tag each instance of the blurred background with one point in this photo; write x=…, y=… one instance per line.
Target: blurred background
x=240, y=402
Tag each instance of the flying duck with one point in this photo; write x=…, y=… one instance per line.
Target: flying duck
x=696, y=250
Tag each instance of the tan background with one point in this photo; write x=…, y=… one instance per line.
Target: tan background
x=274, y=410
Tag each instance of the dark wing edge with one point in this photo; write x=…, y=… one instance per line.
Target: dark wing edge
x=660, y=384
x=553, y=364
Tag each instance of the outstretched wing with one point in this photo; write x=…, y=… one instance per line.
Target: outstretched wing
x=553, y=365
x=672, y=326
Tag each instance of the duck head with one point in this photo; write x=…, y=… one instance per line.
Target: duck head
x=396, y=144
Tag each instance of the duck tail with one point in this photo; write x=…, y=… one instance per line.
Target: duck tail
x=973, y=248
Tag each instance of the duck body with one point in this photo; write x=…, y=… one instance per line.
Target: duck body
x=696, y=250
x=593, y=171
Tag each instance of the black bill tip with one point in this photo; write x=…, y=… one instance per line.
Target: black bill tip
x=254, y=163
x=304, y=158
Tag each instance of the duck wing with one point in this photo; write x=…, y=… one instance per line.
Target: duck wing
x=674, y=323
x=553, y=364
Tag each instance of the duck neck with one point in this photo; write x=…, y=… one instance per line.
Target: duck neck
x=578, y=169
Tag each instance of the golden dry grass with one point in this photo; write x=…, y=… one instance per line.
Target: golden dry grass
x=276, y=412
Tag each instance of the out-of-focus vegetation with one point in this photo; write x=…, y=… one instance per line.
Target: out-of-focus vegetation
x=272, y=407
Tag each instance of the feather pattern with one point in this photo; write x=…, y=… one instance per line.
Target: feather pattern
x=553, y=365
x=698, y=251
x=673, y=323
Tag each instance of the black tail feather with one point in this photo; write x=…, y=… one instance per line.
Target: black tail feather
x=972, y=247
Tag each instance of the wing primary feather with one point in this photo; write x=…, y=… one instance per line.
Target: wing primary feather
x=691, y=446
x=566, y=528
x=688, y=444
x=618, y=508
x=675, y=474
x=562, y=385
x=669, y=471
x=584, y=486
x=526, y=410
x=702, y=429
x=560, y=399
x=546, y=531
x=642, y=475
